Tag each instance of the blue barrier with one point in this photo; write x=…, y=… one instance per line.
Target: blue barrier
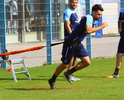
x=3, y=30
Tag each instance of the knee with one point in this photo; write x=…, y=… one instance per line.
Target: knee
x=64, y=65
x=88, y=63
x=119, y=55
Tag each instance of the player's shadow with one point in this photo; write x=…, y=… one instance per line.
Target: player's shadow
x=46, y=78
x=61, y=78
x=31, y=89
x=21, y=79
x=78, y=76
x=49, y=76
x=90, y=76
x=6, y=79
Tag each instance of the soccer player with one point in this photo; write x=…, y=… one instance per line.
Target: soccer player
x=120, y=46
x=84, y=27
x=70, y=22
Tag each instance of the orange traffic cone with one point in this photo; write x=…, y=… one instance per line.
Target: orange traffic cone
x=9, y=70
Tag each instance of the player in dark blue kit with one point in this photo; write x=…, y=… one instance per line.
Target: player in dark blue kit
x=120, y=46
x=71, y=20
x=84, y=27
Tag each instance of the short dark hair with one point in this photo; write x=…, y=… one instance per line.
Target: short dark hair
x=97, y=7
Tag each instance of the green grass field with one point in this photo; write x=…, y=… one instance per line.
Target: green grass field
x=92, y=86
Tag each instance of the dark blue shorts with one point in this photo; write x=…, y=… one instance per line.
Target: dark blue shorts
x=121, y=45
x=68, y=53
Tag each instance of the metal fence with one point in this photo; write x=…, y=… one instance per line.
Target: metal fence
x=27, y=23
x=26, y=20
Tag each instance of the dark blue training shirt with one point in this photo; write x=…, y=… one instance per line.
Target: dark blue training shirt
x=79, y=32
x=70, y=15
x=121, y=17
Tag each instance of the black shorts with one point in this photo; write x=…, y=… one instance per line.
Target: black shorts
x=121, y=45
x=68, y=52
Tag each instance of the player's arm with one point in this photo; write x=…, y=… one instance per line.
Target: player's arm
x=82, y=17
x=119, y=23
x=119, y=26
x=89, y=22
x=28, y=10
x=67, y=26
x=28, y=6
x=91, y=29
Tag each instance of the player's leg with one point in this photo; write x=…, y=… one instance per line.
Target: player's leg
x=85, y=60
x=118, y=62
x=118, y=59
x=58, y=70
x=118, y=65
x=67, y=55
x=71, y=65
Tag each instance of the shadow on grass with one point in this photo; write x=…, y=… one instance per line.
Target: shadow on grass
x=79, y=76
x=91, y=76
x=48, y=89
x=21, y=79
x=47, y=78
x=6, y=78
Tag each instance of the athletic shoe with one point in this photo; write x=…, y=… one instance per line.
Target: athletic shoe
x=52, y=84
x=73, y=78
x=76, y=78
x=113, y=76
x=68, y=77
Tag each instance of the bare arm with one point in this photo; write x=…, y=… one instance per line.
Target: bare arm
x=82, y=17
x=91, y=29
x=67, y=26
x=28, y=10
x=119, y=26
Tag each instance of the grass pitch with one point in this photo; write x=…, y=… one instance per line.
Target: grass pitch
x=92, y=86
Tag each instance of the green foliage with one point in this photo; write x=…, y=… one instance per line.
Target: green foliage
x=92, y=86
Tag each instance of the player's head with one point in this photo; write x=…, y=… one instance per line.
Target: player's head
x=97, y=11
x=73, y=4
